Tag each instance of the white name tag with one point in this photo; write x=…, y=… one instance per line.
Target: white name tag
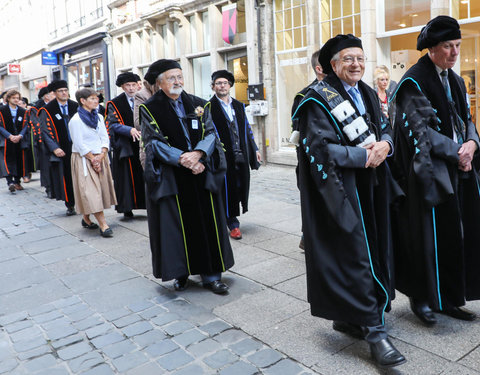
x=58, y=116
x=194, y=124
x=20, y=118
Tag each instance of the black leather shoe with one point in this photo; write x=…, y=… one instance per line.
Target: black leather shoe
x=459, y=313
x=89, y=226
x=349, y=328
x=71, y=211
x=128, y=214
x=106, y=233
x=181, y=284
x=423, y=312
x=385, y=354
x=217, y=287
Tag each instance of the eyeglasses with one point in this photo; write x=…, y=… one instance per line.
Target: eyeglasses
x=172, y=79
x=222, y=83
x=62, y=90
x=350, y=59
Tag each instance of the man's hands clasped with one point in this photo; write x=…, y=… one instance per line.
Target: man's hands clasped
x=191, y=160
x=376, y=153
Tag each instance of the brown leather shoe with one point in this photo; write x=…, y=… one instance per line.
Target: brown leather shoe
x=18, y=187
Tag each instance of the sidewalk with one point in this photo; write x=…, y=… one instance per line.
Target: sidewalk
x=72, y=302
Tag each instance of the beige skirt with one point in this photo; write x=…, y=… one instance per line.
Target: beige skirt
x=93, y=192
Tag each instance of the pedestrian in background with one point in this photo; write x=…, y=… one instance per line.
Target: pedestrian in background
x=381, y=79
x=92, y=179
x=13, y=129
x=241, y=151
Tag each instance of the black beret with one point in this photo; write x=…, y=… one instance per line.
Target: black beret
x=334, y=45
x=43, y=91
x=125, y=77
x=158, y=67
x=59, y=84
x=440, y=29
x=223, y=74
x=137, y=77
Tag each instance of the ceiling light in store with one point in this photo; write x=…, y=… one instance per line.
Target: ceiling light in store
x=464, y=1
x=414, y=15
x=402, y=25
x=466, y=60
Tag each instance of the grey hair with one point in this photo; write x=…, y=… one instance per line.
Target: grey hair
x=160, y=76
x=336, y=57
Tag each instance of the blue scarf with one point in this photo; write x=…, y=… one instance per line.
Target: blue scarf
x=89, y=118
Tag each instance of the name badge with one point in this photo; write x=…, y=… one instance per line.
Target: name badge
x=58, y=116
x=194, y=124
x=20, y=118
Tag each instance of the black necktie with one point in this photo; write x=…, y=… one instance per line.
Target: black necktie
x=457, y=122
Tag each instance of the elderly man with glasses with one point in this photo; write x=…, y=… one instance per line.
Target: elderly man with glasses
x=346, y=190
x=184, y=173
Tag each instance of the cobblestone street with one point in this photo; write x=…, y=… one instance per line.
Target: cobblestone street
x=72, y=302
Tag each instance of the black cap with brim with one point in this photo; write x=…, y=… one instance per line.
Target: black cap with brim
x=159, y=67
x=125, y=78
x=440, y=29
x=55, y=85
x=334, y=45
x=223, y=74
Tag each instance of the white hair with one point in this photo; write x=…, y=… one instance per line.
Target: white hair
x=336, y=57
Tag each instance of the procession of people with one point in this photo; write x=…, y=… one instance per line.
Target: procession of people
x=388, y=177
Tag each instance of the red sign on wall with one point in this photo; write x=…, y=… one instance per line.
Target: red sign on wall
x=14, y=69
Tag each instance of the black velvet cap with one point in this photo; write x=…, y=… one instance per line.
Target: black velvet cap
x=440, y=29
x=158, y=67
x=137, y=77
x=334, y=45
x=223, y=74
x=126, y=77
x=43, y=91
x=59, y=84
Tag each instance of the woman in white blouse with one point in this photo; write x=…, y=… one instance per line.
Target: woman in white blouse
x=91, y=175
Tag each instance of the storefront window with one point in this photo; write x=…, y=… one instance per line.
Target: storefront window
x=98, y=79
x=339, y=17
x=465, y=9
x=201, y=77
x=290, y=24
x=400, y=14
x=206, y=31
x=239, y=67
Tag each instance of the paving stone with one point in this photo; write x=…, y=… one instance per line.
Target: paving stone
x=44, y=349
x=108, y=339
x=174, y=360
x=54, y=324
x=47, y=317
x=85, y=362
x=245, y=346
x=74, y=351
x=17, y=326
x=127, y=320
x=189, y=337
x=265, y=357
x=151, y=368
x=27, y=345
x=73, y=300
x=215, y=327
x=80, y=315
x=148, y=338
x=137, y=329
x=129, y=361
x=220, y=359
x=230, y=336
x=67, y=341
x=178, y=327
x=42, y=309
x=166, y=318
x=120, y=348
x=60, y=370
x=152, y=312
x=40, y=363
x=165, y=298
x=61, y=332
x=190, y=370
x=8, y=365
x=26, y=334
x=284, y=367
x=12, y=318
x=67, y=310
x=239, y=368
x=98, y=330
x=161, y=348
x=87, y=323
x=204, y=347
x=140, y=306
x=100, y=370
x=116, y=314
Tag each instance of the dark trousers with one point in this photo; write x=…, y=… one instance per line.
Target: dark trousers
x=12, y=180
x=232, y=222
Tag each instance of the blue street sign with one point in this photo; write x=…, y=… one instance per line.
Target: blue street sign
x=49, y=58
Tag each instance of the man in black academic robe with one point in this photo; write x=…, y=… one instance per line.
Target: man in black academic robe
x=242, y=153
x=184, y=173
x=54, y=118
x=125, y=139
x=44, y=97
x=438, y=231
x=346, y=190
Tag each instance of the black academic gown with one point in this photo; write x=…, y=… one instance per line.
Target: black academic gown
x=42, y=150
x=14, y=157
x=55, y=135
x=186, y=218
x=28, y=142
x=237, y=179
x=345, y=214
x=438, y=224
x=126, y=168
